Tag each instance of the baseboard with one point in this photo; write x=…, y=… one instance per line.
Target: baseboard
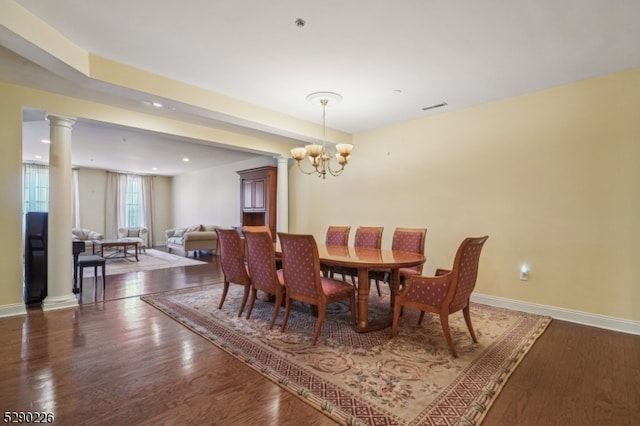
x=12, y=310
x=579, y=317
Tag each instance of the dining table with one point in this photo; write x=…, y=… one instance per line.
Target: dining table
x=364, y=260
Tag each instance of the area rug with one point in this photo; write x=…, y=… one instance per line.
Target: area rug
x=367, y=378
x=151, y=260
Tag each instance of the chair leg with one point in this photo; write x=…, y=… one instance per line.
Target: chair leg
x=421, y=317
x=444, y=320
x=286, y=314
x=224, y=294
x=104, y=281
x=245, y=297
x=95, y=283
x=254, y=294
x=322, y=310
x=276, y=309
x=467, y=319
x=378, y=288
x=81, y=279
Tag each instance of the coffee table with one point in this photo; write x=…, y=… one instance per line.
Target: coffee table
x=118, y=247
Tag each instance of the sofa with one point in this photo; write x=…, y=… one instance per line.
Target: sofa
x=88, y=236
x=193, y=238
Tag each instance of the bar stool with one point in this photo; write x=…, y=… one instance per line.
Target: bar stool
x=92, y=261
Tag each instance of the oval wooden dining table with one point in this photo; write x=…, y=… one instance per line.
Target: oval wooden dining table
x=364, y=260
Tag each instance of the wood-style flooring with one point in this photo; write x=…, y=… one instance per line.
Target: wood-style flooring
x=122, y=362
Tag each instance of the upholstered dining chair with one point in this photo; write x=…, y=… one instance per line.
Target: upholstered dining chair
x=261, y=261
x=366, y=237
x=257, y=228
x=404, y=239
x=232, y=261
x=302, y=279
x=336, y=236
x=448, y=292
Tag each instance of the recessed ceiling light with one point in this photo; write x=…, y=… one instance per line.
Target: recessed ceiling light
x=185, y=159
x=156, y=104
x=154, y=168
x=38, y=156
x=45, y=141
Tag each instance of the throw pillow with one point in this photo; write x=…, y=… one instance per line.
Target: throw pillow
x=134, y=232
x=193, y=228
x=178, y=233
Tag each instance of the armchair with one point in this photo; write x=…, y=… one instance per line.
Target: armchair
x=135, y=234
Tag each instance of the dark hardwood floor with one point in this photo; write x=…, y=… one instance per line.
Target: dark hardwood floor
x=121, y=361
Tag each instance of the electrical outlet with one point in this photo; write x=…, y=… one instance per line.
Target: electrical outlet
x=524, y=273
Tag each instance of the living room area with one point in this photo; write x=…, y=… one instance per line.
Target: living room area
x=177, y=203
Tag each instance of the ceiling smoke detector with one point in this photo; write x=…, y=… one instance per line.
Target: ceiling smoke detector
x=300, y=22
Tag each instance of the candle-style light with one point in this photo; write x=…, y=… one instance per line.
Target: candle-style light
x=319, y=155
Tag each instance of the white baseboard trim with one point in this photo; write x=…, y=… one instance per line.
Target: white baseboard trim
x=12, y=310
x=579, y=317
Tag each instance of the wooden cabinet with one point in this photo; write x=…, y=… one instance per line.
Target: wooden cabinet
x=258, y=197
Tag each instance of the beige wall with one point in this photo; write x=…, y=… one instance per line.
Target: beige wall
x=552, y=177
x=211, y=196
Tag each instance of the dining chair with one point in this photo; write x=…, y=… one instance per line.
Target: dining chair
x=335, y=236
x=404, y=239
x=365, y=237
x=232, y=261
x=447, y=292
x=257, y=228
x=303, y=282
x=261, y=261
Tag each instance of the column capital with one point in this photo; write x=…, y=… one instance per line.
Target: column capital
x=60, y=120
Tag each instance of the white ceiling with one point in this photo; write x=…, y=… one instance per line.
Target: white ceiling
x=387, y=59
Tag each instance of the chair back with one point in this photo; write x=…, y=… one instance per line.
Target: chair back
x=337, y=236
x=257, y=228
x=465, y=270
x=261, y=260
x=368, y=237
x=232, y=256
x=300, y=266
x=410, y=240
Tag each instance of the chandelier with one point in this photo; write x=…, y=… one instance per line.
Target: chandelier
x=319, y=155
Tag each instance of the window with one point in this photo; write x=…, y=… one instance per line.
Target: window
x=134, y=205
x=36, y=187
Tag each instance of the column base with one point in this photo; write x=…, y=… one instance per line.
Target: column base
x=60, y=302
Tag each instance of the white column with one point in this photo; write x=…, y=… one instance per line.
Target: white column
x=60, y=258
x=282, y=215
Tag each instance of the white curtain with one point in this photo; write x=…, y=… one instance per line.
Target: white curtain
x=147, y=207
x=75, y=200
x=115, y=204
x=35, y=181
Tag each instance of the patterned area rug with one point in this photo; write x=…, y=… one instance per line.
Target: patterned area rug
x=151, y=260
x=367, y=378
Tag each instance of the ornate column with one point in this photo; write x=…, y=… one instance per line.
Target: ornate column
x=282, y=214
x=59, y=256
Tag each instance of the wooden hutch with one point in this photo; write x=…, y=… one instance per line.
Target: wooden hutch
x=258, y=197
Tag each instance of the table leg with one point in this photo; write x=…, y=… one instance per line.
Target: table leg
x=364, y=325
x=136, y=252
